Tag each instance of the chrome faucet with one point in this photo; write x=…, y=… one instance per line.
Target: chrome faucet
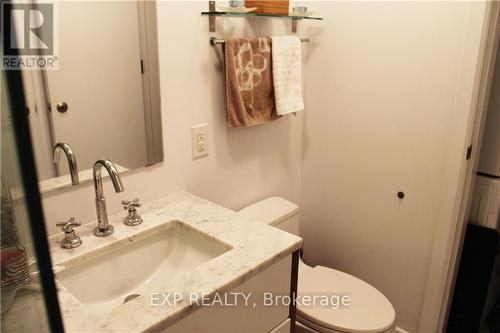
x=70, y=156
x=103, y=228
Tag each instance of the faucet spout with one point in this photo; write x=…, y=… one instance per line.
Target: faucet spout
x=70, y=156
x=103, y=228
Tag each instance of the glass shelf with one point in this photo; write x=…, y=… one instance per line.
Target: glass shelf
x=252, y=14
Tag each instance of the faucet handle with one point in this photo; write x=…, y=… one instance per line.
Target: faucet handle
x=69, y=224
x=70, y=240
x=131, y=205
x=132, y=218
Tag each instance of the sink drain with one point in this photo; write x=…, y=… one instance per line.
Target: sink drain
x=130, y=297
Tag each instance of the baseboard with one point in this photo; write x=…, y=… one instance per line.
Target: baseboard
x=400, y=330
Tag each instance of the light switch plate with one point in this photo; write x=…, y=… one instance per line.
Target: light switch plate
x=199, y=139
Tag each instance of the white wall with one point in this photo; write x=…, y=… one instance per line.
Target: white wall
x=383, y=82
x=244, y=164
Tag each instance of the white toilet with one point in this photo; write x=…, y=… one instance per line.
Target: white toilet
x=370, y=311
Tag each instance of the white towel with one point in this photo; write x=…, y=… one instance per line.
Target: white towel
x=287, y=74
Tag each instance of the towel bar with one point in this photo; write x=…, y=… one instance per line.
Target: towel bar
x=215, y=41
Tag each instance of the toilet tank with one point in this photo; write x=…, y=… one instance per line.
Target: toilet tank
x=275, y=211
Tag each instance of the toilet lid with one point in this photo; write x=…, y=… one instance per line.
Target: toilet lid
x=369, y=311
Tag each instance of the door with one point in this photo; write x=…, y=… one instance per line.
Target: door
x=109, y=82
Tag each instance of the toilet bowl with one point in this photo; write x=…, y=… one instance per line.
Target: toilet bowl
x=353, y=305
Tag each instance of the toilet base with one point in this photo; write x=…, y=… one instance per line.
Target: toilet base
x=300, y=327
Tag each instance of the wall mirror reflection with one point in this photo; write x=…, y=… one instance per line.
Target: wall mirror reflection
x=104, y=99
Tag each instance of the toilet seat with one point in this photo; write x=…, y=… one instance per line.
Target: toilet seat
x=369, y=312
x=305, y=325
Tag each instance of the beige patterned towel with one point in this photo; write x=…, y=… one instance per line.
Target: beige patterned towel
x=249, y=82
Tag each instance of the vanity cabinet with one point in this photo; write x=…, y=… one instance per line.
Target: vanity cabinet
x=275, y=318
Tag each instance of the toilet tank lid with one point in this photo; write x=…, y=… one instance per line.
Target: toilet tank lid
x=272, y=210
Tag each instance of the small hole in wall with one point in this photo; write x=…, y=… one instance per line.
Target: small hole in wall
x=401, y=195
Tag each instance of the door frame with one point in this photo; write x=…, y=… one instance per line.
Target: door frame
x=148, y=32
x=445, y=258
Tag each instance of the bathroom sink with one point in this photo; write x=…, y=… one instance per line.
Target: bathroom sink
x=139, y=267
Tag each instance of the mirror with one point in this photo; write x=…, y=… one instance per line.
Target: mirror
x=103, y=100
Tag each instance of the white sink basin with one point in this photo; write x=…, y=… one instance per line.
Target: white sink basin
x=104, y=282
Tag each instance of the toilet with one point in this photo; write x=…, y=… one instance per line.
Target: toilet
x=369, y=312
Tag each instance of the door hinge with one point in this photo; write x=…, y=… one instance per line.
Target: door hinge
x=142, y=66
x=469, y=152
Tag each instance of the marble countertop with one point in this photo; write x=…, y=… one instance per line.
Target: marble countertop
x=254, y=246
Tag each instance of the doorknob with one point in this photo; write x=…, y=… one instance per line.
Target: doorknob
x=62, y=107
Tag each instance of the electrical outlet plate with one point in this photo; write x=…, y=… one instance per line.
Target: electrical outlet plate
x=199, y=139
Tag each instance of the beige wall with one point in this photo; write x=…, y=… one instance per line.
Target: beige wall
x=383, y=117
x=243, y=166
x=381, y=85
